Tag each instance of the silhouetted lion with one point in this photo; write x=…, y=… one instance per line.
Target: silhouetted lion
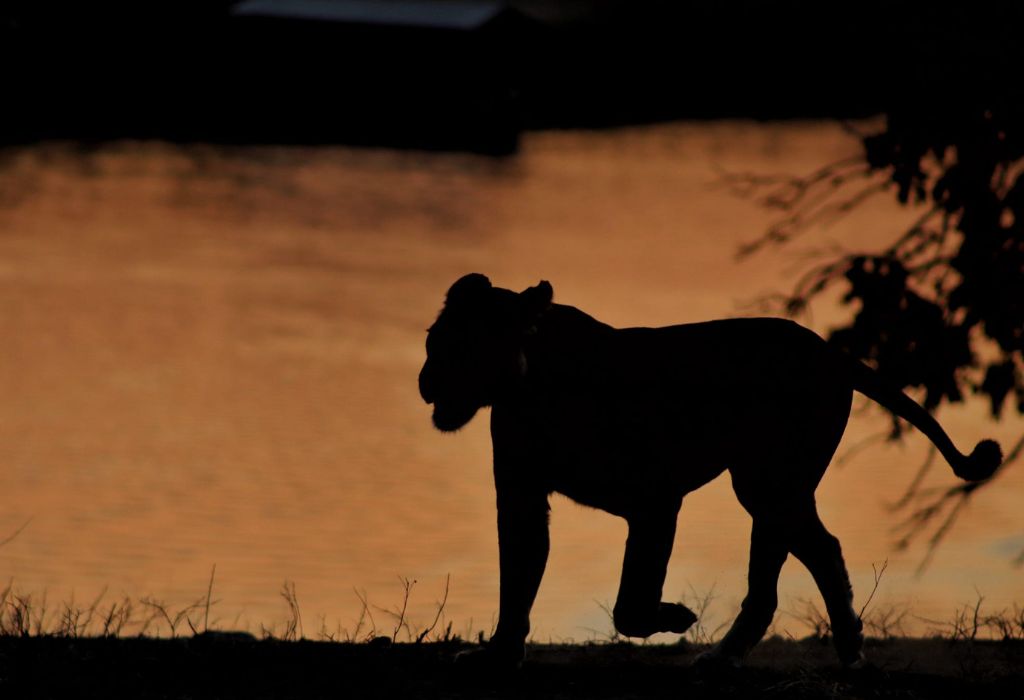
x=630, y=420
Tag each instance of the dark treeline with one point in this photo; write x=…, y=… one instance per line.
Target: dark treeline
x=212, y=71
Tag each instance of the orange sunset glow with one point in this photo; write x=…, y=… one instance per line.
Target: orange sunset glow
x=210, y=357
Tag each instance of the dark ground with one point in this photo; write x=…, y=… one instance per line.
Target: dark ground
x=224, y=667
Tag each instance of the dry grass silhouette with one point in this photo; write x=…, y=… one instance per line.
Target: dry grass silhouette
x=26, y=614
x=181, y=651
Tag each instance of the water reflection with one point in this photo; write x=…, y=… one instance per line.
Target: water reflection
x=210, y=356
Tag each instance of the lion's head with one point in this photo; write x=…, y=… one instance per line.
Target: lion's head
x=475, y=348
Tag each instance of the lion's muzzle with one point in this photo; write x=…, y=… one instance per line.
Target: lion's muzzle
x=426, y=386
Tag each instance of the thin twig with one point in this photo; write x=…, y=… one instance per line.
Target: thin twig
x=209, y=594
x=857, y=447
x=440, y=609
x=15, y=533
x=365, y=613
x=940, y=533
x=407, y=585
x=946, y=503
x=915, y=484
x=878, y=572
x=293, y=628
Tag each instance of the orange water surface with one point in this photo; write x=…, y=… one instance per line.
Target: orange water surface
x=209, y=356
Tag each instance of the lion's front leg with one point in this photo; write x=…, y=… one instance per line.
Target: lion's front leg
x=522, y=555
x=639, y=611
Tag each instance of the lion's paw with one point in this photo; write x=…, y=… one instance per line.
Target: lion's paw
x=673, y=617
x=855, y=662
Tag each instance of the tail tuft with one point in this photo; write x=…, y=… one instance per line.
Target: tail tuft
x=982, y=463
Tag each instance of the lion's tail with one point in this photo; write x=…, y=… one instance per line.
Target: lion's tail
x=978, y=466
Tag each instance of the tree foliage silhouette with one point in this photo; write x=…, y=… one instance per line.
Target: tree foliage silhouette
x=940, y=311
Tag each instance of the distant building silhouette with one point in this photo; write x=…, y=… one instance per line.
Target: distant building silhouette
x=464, y=15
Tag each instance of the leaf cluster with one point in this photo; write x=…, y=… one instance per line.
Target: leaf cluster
x=948, y=296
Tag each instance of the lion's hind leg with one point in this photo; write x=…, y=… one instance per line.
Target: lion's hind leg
x=768, y=551
x=793, y=526
x=819, y=551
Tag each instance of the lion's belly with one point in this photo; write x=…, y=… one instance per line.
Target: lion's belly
x=620, y=490
x=625, y=461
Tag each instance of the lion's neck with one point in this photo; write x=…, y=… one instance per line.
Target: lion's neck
x=567, y=344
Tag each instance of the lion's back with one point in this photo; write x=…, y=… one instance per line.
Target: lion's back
x=742, y=351
x=626, y=408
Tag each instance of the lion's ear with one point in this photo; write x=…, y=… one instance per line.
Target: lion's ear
x=467, y=289
x=535, y=301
